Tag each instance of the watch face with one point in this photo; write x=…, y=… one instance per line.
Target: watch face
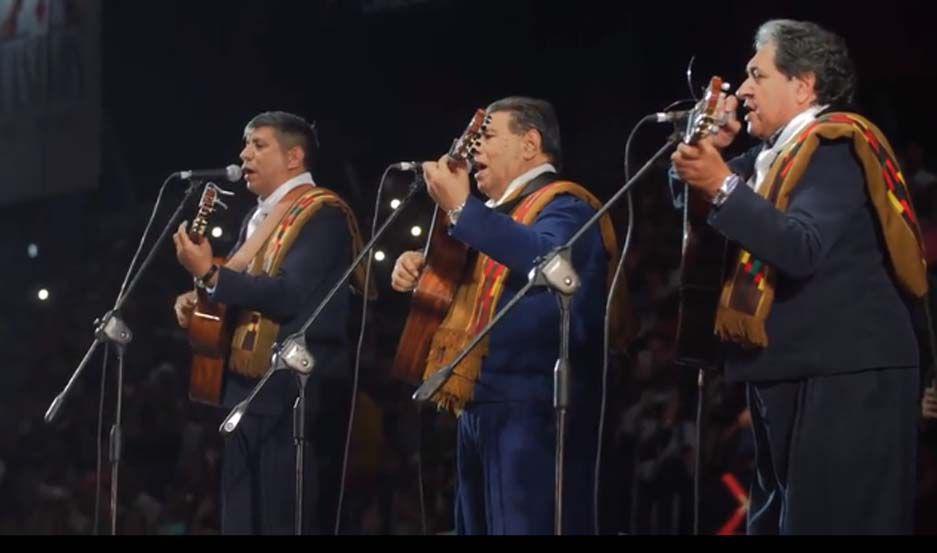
x=720, y=196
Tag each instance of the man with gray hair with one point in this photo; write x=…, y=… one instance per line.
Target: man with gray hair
x=813, y=311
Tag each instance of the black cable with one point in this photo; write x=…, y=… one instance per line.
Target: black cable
x=146, y=231
x=361, y=333
x=699, y=449
x=609, y=303
x=419, y=467
x=608, y=308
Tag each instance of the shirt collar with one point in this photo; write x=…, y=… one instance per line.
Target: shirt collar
x=520, y=182
x=794, y=126
x=265, y=205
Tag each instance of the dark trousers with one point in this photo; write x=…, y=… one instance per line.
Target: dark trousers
x=259, y=466
x=506, y=470
x=835, y=454
x=259, y=476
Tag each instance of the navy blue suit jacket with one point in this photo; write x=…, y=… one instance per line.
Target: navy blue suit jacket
x=314, y=263
x=525, y=344
x=837, y=308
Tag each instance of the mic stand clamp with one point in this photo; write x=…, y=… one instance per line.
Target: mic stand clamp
x=113, y=329
x=294, y=354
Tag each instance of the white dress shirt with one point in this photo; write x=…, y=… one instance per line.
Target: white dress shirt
x=769, y=155
x=266, y=205
x=521, y=181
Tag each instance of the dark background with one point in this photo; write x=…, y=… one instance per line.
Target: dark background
x=385, y=81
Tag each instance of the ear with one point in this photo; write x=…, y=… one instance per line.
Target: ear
x=295, y=158
x=532, y=144
x=806, y=88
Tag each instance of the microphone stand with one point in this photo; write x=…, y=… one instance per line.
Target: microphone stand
x=554, y=270
x=112, y=329
x=292, y=354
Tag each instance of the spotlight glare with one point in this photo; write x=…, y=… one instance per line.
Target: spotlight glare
x=43, y=295
x=395, y=203
x=217, y=232
x=32, y=250
x=379, y=256
x=416, y=231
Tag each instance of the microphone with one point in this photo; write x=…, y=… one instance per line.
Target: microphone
x=408, y=166
x=671, y=116
x=231, y=173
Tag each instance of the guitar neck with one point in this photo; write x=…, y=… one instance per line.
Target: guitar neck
x=200, y=222
x=197, y=231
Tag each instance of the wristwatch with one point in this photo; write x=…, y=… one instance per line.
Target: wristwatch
x=453, y=214
x=202, y=282
x=728, y=185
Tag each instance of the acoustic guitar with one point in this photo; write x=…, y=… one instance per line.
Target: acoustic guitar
x=209, y=328
x=445, y=263
x=704, y=251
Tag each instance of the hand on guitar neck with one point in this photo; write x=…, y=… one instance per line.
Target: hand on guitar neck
x=447, y=182
x=196, y=257
x=712, y=127
x=731, y=127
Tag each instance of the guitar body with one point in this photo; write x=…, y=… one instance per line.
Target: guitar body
x=432, y=298
x=210, y=339
x=701, y=277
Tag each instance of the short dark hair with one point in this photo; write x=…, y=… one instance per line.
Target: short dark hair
x=291, y=130
x=804, y=47
x=531, y=113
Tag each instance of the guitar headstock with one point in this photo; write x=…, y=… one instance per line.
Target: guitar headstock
x=708, y=115
x=464, y=147
x=207, y=205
